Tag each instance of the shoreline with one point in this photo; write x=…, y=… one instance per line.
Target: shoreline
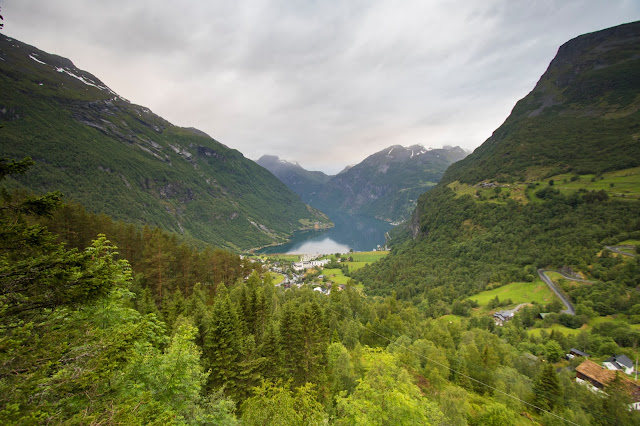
x=315, y=227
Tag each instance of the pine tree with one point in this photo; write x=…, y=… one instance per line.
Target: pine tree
x=220, y=343
x=293, y=341
x=315, y=341
x=547, y=389
x=249, y=367
x=272, y=352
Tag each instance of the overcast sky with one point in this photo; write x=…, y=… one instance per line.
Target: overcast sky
x=324, y=83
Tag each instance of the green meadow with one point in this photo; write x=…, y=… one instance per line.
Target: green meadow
x=368, y=256
x=335, y=275
x=619, y=184
x=523, y=292
x=354, y=266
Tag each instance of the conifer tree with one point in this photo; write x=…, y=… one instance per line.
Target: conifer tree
x=293, y=342
x=272, y=352
x=220, y=343
x=547, y=389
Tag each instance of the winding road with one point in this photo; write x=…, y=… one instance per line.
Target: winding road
x=570, y=309
x=616, y=249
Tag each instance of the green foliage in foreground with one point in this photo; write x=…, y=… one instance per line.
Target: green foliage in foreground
x=115, y=348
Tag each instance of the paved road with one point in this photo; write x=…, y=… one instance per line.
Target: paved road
x=517, y=308
x=616, y=249
x=570, y=309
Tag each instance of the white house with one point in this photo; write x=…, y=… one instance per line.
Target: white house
x=619, y=362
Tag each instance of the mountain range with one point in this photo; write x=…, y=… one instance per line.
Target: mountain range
x=385, y=185
x=121, y=159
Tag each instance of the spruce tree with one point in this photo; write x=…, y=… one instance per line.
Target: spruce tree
x=292, y=337
x=547, y=389
x=272, y=352
x=220, y=343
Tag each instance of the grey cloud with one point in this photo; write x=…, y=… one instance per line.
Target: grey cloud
x=324, y=83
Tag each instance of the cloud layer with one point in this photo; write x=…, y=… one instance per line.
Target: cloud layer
x=325, y=83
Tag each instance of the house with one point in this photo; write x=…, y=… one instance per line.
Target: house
x=502, y=317
x=619, y=362
x=576, y=352
x=597, y=378
x=591, y=373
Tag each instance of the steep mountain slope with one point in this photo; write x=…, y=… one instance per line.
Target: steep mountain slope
x=303, y=182
x=387, y=184
x=583, y=116
x=121, y=159
x=554, y=184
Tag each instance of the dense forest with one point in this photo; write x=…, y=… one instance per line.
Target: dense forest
x=467, y=244
x=199, y=336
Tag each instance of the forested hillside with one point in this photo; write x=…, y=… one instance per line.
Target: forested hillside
x=112, y=321
x=118, y=158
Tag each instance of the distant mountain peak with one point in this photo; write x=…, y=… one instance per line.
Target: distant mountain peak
x=274, y=159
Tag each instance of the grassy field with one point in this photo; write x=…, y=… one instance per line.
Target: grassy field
x=277, y=278
x=629, y=243
x=354, y=266
x=611, y=318
x=335, y=275
x=536, y=291
x=451, y=319
x=586, y=327
x=368, y=256
x=556, y=277
x=619, y=184
x=284, y=257
x=556, y=327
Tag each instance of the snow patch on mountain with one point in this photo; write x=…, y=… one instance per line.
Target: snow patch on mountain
x=36, y=59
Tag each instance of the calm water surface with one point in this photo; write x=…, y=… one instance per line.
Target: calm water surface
x=350, y=232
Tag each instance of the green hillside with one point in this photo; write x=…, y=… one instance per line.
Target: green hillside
x=582, y=117
x=121, y=159
x=550, y=188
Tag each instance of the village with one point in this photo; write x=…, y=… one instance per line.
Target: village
x=323, y=273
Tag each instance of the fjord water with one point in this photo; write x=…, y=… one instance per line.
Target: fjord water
x=356, y=233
